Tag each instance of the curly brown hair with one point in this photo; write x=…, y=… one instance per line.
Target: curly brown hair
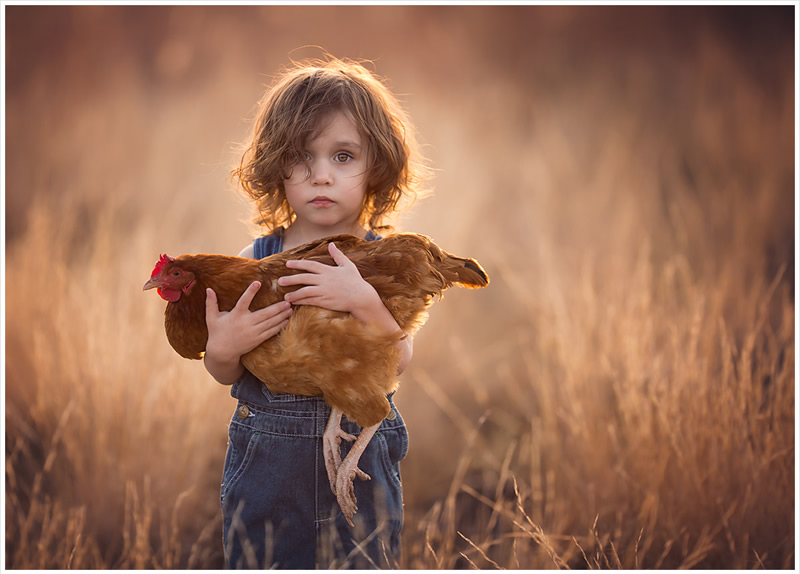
x=291, y=110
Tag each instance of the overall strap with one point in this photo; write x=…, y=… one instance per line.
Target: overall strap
x=267, y=245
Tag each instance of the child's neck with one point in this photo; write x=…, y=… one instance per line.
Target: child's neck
x=298, y=233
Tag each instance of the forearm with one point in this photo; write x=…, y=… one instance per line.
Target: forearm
x=374, y=312
x=226, y=370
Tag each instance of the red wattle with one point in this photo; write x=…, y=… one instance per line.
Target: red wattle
x=170, y=295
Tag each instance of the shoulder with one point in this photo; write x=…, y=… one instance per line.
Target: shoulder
x=247, y=251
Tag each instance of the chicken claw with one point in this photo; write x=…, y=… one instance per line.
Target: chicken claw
x=331, y=439
x=348, y=471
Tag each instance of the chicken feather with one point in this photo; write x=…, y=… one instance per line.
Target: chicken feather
x=322, y=352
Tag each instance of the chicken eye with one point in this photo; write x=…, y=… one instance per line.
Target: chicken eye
x=176, y=273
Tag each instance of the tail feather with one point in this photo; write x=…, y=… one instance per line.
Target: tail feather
x=461, y=271
x=477, y=277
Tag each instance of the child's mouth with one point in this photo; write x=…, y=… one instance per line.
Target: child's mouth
x=321, y=201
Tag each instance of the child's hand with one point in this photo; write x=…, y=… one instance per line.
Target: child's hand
x=336, y=287
x=341, y=288
x=233, y=333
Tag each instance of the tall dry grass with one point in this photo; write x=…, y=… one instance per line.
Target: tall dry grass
x=621, y=396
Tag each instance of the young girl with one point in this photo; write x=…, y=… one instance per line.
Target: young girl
x=332, y=152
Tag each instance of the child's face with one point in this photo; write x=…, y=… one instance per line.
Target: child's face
x=332, y=195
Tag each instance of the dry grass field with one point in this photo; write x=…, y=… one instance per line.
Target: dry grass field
x=621, y=396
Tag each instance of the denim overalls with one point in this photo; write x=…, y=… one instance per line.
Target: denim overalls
x=277, y=505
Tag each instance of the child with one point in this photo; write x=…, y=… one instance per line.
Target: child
x=332, y=152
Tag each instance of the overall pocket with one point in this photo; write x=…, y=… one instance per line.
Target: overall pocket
x=242, y=441
x=393, y=447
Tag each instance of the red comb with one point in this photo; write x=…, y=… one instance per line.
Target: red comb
x=160, y=264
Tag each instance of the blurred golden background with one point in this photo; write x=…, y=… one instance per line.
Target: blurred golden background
x=621, y=396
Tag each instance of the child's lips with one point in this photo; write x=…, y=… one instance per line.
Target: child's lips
x=322, y=201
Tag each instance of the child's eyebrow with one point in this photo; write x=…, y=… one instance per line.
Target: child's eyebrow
x=347, y=143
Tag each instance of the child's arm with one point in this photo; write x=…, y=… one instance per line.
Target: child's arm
x=233, y=333
x=341, y=288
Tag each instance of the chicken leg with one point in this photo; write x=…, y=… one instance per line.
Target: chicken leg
x=341, y=474
x=348, y=470
x=331, y=439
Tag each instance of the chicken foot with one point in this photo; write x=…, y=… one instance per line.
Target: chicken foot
x=331, y=440
x=347, y=472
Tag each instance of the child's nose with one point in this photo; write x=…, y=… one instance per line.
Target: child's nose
x=320, y=173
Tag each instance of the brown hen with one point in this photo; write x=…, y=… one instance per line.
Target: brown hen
x=320, y=352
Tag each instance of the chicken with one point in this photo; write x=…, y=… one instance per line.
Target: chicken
x=320, y=352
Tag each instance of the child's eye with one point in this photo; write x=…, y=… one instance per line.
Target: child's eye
x=342, y=157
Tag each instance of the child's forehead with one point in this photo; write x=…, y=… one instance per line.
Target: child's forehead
x=337, y=125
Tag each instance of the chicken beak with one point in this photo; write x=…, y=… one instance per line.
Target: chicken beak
x=152, y=283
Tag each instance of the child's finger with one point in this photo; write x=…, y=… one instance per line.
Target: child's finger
x=212, y=308
x=271, y=332
x=307, y=265
x=299, y=279
x=271, y=312
x=272, y=321
x=304, y=296
x=339, y=257
x=248, y=295
x=315, y=302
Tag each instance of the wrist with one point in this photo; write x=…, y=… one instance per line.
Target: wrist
x=221, y=354
x=225, y=371
x=372, y=310
x=368, y=305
